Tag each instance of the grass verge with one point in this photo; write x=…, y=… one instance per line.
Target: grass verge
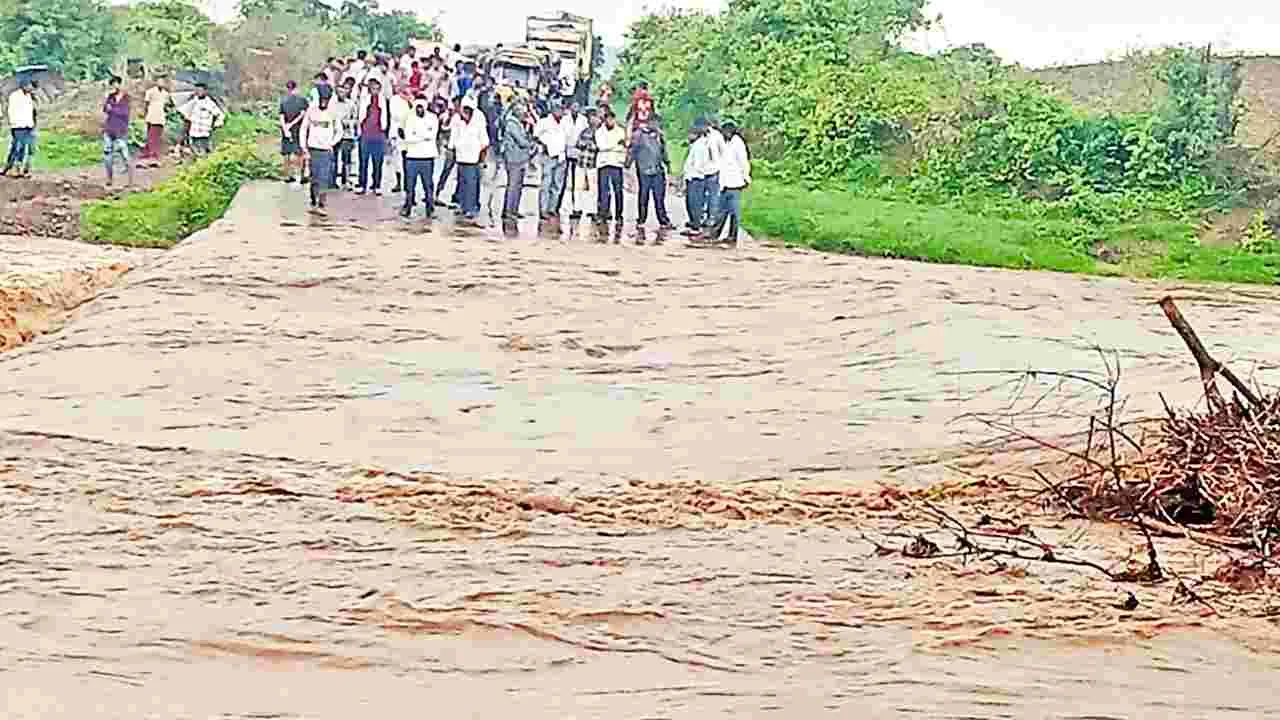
x=846, y=221
x=186, y=203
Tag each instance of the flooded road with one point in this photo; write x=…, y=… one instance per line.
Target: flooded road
x=316, y=468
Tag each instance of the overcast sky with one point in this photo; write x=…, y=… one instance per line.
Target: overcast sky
x=1033, y=32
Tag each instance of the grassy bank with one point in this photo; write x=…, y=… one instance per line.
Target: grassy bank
x=1020, y=236
x=186, y=203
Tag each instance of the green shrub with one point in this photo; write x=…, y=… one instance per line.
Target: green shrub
x=190, y=201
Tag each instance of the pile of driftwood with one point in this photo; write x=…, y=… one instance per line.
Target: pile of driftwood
x=1214, y=473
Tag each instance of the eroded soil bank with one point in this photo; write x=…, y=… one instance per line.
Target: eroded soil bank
x=574, y=476
x=43, y=281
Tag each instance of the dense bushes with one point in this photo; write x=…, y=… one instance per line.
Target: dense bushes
x=188, y=202
x=824, y=93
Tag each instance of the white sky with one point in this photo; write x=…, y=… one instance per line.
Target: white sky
x=1033, y=32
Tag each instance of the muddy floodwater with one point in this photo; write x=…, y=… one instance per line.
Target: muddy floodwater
x=326, y=468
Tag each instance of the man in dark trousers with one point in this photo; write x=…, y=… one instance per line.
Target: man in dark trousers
x=648, y=152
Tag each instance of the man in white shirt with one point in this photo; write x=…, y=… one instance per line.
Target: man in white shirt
x=611, y=148
x=203, y=115
x=470, y=140
x=418, y=138
x=406, y=60
x=574, y=123
x=697, y=169
x=715, y=148
x=735, y=178
x=401, y=109
x=357, y=68
x=550, y=133
x=321, y=131
x=22, y=126
x=157, y=100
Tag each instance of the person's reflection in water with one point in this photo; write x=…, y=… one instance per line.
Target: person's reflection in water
x=510, y=229
x=660, y=237
x=548, y=229
x=641, y=235
x=572, y=231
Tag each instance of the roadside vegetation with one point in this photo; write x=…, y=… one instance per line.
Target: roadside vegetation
x=863, y=147
x=186, y=203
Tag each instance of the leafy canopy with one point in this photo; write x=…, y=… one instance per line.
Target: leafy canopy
x=77, y=37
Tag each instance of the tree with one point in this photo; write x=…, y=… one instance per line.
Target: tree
x=310, y=9
x=76, y=37
x=171, y=32
x=386, y=31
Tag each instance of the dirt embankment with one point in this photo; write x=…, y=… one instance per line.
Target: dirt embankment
x=43, y=281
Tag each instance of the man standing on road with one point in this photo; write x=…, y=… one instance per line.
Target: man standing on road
x=22, y=124
x=715, y=154
x=735, y=175
x=157, y=101
x=611, y=146
x=551, y=133
x=321, y=129
x=401, y=110
x=292, y=109
x=349, y=114
x=115, y=131
x=418, y=137
x=203, y=115
x=470, y=140
x=375, y=121
x=575, y=123
x=648, y=152
x=697, y=166
x=517, y=151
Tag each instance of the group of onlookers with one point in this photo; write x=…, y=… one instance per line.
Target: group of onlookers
x=416, y=113
x=201, y=115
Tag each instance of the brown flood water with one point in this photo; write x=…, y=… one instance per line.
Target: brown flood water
x=322, y=469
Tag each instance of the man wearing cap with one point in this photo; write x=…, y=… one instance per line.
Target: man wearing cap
x=321, y=130
x=470, y=140
x=517, y=151
x=551, y=134
x=22, y=123
x=418, y=137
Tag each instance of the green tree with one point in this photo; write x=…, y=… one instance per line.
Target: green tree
x=171, y=32
x=310, y=9
x=77, y=37
x=387, y=31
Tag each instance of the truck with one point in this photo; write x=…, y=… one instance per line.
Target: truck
x=571, y=41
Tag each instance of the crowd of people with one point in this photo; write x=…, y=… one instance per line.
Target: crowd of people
x=430, y=119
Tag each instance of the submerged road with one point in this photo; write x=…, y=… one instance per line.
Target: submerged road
x=317, y=467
